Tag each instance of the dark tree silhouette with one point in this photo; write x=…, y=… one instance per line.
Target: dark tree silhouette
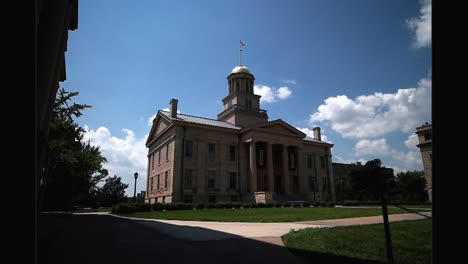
x=368, y=181
x=74, y=167
x=112, y=192
x=410, y=186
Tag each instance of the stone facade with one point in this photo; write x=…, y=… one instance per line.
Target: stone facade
x=239, y=157
x=424, y=133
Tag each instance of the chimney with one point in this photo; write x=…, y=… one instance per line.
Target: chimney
x=317, y=135
x=173, y=107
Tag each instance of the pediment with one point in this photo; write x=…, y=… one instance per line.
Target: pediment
x=277, y=126
x=159, y=125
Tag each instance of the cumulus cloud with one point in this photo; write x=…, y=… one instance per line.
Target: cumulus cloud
x=270, y=95
x=283, y=92
x=372, y=147
x=422, y=25
x=412, y=141
x=310, y=133
x=376, y=115
x=410, y=160
x=290, y=81
x=124, y=155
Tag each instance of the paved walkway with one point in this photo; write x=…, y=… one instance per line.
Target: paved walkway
x=267, y=232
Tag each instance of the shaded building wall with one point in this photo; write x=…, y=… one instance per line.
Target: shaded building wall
x=53, y=20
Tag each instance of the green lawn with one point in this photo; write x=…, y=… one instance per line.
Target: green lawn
x=265, y=215
x=411, y=240
x=101, y=209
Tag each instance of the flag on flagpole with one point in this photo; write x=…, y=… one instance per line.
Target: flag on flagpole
x=242, y=43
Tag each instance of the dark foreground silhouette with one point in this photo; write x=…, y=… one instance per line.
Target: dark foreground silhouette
x=107, y=239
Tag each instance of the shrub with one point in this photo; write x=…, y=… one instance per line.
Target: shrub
x=200, y=206
x=261, y=205
x=125, y=209
x=269, y=205
x=157, y=207
x=277, y=205
x=246, y=205
x=142, y=207
x=210, y=205
x=306, y=204
x=330, y=204
x=236, y=205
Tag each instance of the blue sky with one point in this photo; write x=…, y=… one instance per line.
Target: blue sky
x=361, y=70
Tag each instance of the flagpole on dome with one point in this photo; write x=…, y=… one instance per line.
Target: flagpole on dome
x=240, y=52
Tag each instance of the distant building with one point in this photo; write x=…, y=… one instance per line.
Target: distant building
x=424, y=133
x=238, y=157
x=141, y=195
x=341, y=173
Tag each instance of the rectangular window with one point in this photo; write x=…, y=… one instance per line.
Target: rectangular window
x=167, y=152
x=311, y=183
x=292, y=160
x=188, y=149
x=159, y=181
x=230, y=103
x=159, y=157
x=260, y=157
x=188, y=179
x=322, y=162
x=152, y=160
x=151, y=184
x=212, y=199
x=166, y=179
x=232, y=153
x=211, y=151
x=188, y=199
x=428, y=136
x=211, y=178
x=309, y=161
x=233, y=180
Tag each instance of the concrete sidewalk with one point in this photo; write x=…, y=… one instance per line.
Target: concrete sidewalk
x=267, y=232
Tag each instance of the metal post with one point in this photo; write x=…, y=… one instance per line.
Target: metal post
x=388, y=239
x=134, y=191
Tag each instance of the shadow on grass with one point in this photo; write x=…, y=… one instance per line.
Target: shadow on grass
x=316, y=257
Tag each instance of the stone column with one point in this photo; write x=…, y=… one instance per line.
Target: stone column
x=271, y=181
x=287, y=184
x=253, y=167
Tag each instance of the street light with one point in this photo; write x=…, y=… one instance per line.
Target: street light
x=134, y=191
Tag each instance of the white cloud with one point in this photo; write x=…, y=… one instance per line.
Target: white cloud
x=270, y=95
x=290, y=81
x=372, y=147
x=422, y=25
x=378, y=114
x=124, y=155
x=348, y=161
x=379, y=148
x=150, y=120
x=283, y=92
x=310, y=133
x=412, y=141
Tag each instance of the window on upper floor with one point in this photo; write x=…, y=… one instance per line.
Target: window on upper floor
x=211, y=178
x=232, y=153
x=322, y=162
x=188, y=179
x=309, y=161
x=211, y=151
x=167, y=152
x=188, y=148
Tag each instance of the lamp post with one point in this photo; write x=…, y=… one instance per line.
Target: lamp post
x=134, y=191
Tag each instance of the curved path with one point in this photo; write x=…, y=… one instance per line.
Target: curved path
x=266, y=232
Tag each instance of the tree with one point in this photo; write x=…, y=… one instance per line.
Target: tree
x=368, y=181
x=74, y=167
x=112, y=192
x=411, y=186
